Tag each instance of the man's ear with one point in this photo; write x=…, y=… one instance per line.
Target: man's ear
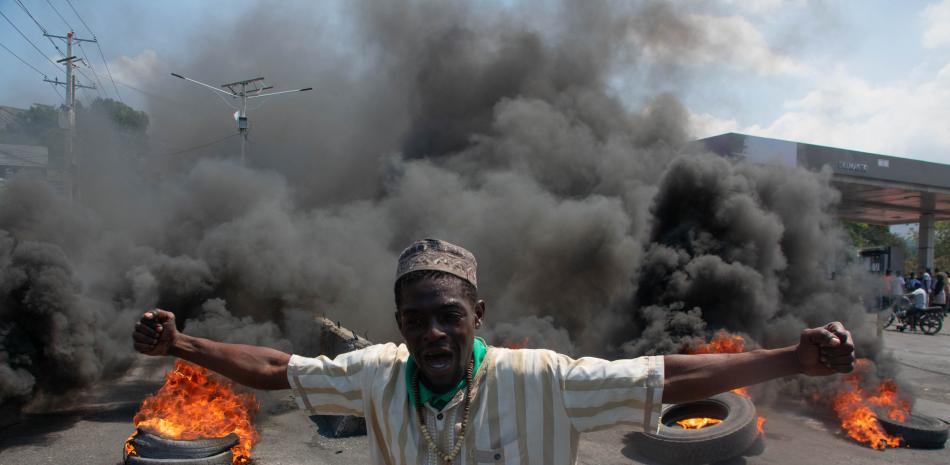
x=479, y=313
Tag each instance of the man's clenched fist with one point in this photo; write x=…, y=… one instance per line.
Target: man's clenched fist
x=155, y=333
x=826, y=350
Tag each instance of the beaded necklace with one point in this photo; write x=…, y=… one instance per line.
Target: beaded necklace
x=448, y=457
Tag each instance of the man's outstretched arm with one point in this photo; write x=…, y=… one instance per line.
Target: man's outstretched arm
x=252, y=366
x=821, y=351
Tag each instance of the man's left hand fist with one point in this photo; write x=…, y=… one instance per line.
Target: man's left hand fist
x=826, y=350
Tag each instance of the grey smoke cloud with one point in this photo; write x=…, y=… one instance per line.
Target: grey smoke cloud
x=490, y=127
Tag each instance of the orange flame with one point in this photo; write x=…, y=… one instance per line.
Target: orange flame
x=129, y=448
x=725, y=343
x=759, y=424
x=697, y=423
x=194, y=404
x=855, y=407
x=721, y=343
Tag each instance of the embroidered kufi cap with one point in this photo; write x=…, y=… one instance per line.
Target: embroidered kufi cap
x=439, y=255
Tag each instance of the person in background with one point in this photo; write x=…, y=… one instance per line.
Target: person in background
x=934, y=284
x=940, y=291
x=897, y=286
x=927, y=280
x=913, y=282
x=887, y=285
x=918, y=297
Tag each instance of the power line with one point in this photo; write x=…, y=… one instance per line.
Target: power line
x=58, y=14
x=80, y=18
x=87, y=78
x=101, y=54
x=60, y=94
x=206, y=144
x=22, y=60
x=91, y=68
x=166, y=100
x=85, y=57
x=28, y=39
x=53, y=42
x=42, y=29
x=117, y=94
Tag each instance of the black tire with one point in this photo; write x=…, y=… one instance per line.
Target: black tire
x=675, y=445
x=918, y=431
x=930, y=323
x=156, y=447
x=223, y=458
x=890, y=320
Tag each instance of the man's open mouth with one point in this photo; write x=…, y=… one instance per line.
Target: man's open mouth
x=438, y=360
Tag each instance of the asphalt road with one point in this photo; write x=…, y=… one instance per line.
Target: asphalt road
x=93, y=428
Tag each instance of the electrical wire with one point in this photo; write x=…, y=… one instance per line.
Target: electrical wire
x=117, y=94
x=80, y=18
x=91, y=68
x=60, y=15
x=166, y=100
x=206, y=144
x=28, y=40
x=226, y=102
x=46, y=34
x=60, y=94
x=101, y=54
x=42, y=29
x=81, y=73
x=22, y=60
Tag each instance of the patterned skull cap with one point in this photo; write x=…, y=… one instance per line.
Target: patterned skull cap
x=438, y=255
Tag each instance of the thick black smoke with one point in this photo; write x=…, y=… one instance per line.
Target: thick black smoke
x=749, y=248
x=494, y=127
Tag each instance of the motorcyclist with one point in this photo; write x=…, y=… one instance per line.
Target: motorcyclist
x=918, y=298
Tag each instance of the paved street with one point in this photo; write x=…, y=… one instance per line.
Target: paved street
x=92, y=431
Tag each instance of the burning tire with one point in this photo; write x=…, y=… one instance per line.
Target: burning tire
x=917, y=431
x=151, y=449
x=731, y=437
x=223, y=458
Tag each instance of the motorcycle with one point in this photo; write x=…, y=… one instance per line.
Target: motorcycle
x=929, y=320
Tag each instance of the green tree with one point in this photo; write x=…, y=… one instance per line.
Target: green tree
x=123, y=116
x=872, y=235
x=942, y=245
x=38, y=125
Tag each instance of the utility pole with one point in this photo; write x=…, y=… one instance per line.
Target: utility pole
x=256, y=86
x=245, y=90
x=71, y=164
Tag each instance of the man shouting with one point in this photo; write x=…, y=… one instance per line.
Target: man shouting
x=444, y=396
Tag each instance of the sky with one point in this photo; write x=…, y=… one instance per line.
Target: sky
x=862, y=75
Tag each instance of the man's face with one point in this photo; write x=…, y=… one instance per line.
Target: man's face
x=438, y=323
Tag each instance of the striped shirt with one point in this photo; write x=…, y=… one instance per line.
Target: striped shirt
x=528, y=406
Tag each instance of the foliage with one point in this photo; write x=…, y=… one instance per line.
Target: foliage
x=37, y=125
x=871, y=235
x=941, y=246
x=125, y=117
x=39, y=118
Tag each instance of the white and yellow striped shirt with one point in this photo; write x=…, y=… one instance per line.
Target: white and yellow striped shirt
x=528, y=406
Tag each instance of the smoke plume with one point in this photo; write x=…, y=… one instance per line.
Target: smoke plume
x=596, y=229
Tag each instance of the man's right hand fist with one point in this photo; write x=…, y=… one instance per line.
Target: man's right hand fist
x=155, y=333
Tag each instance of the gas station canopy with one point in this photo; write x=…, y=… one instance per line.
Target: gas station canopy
x=875, y=188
